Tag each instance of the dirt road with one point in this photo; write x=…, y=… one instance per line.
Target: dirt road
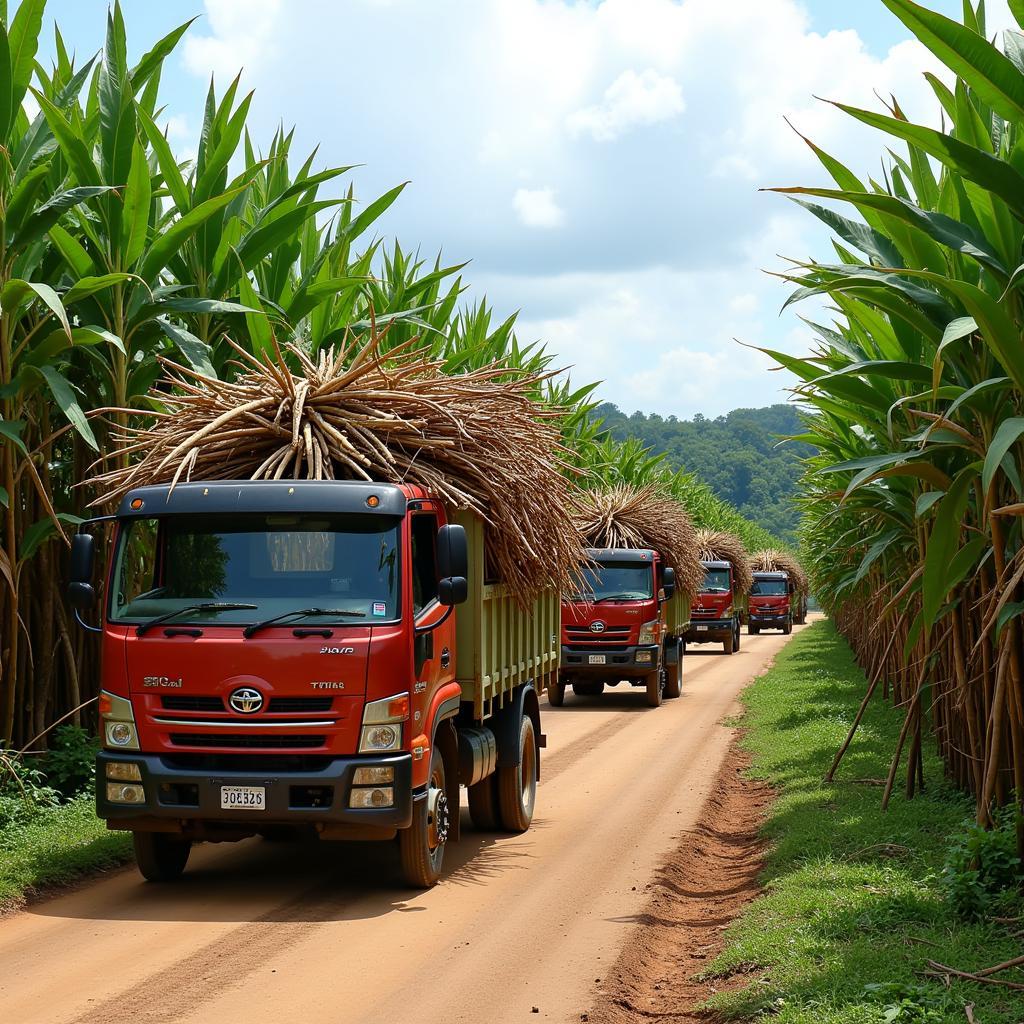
x=260, y=932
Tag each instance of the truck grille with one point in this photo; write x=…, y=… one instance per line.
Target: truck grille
x=612, y=636
x=203, y=739
x=276, y=705
x=246, y=762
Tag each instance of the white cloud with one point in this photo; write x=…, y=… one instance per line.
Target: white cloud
x=631, y=100
x=537, y=208
x=640, y=129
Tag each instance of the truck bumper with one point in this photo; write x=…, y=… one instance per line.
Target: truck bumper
x=709, y=630
x=771, y=621
x=618, y=661
x=292, y=798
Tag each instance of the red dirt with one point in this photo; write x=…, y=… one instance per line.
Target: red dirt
x=712, y=875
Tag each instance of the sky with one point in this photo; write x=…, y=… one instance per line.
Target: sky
x=598, y=162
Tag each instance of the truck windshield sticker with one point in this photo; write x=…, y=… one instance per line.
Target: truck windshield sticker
x=380, y=609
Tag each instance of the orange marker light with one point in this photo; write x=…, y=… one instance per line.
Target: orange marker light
x=137, y=503
x=104, y=704
x=399, y=708
x=372, y=501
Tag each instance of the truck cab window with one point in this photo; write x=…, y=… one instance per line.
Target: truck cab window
x=424, y=561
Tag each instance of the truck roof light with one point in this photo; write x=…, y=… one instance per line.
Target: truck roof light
x=372, y=501
x=136, y=504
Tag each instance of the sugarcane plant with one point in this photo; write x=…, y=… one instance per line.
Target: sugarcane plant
x=915, y=389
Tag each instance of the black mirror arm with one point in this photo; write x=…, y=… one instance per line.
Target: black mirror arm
x=85, y=625
x=423, y=630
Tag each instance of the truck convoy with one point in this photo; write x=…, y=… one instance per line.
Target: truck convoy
x=721, y=599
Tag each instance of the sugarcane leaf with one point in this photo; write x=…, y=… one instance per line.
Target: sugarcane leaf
x=42, y=531
x=926, y=501
x=873, y=554
x=72, y=146
x=86, y=286
x=991, y=75
x=44, y=218
x=138, y=195
x=1010, y=610
x=64, y=396
x=188, y=305
x=360, y=223
x=23, y=40
x=1006, y=437
x=57, y=342
x=195, y=351
x=10, y=430
x=167, y=244
x=6, y=85
x=871, y=242
x=168, y=164
x=943, y=544
x=257, y=321
x=5, y=502
x=74, y=253
x=151, y=61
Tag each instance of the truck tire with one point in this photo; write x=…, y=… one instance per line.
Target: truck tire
x=517, y=784
x=753, y=630
x=730, y=643
x=160, y=857
x=556, y=695
x=483, y=804
x=787, y=627
x=655, y=687
x=674, y=676
x=739, y=633
x=591, y=688
x=422, y=844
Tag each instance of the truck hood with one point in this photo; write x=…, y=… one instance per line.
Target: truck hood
x=716, y=603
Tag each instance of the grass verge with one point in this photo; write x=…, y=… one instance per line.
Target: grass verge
x=854, y=903
x=54, y=846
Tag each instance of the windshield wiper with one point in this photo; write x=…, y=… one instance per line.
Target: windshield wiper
x=298, y=613
x=620, y=597
x=209, y=606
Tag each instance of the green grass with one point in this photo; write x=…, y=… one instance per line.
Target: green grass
x=854, y=895
x=55, y=846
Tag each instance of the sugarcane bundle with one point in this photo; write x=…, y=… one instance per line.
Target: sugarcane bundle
x=642, y=517
x=720, y=546
x=479, y=440
x=774, y=560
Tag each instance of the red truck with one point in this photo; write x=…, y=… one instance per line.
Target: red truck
x=775, y=603
x=718, y=610
x=288, y=657
x=627, y=626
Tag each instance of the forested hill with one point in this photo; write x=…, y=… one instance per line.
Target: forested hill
x=738, y=455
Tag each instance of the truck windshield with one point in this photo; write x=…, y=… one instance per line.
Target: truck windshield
x=768, y=588
x=618, y=581
x=716, y=581
x=272, y=563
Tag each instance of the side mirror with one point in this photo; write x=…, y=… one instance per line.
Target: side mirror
x=452, y=552
x=81, y=593
x=452, y=590
x=668, y=581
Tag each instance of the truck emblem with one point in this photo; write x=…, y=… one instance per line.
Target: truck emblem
x=337, y=650
x=174, y=684
x=597, y=627
x=245, y=700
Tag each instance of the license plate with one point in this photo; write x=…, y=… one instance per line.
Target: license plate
x=702, y=629
x=243, y=798
x=598, y=659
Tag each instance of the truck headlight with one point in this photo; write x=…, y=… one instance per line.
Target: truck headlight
x=380, y=796
x=382, y=724
x=649, y=632
x=643, y=657
x=123, y=771
x=122, y=794
x=118, y=720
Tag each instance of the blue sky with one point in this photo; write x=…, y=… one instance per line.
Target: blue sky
x=599, y=163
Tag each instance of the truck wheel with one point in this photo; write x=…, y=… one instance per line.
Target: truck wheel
x=483, y=803
x=556, y=695
x=422, y=844
x=674, y=676
x=730, y=643
x=753, y=630
x=655, y=687
x=739, y=633
x=787, y=627
x=589, y=689
x=517, y=784
x=160, y=857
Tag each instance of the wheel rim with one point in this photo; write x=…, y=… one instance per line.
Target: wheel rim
x=438, y=815
x=528, y=772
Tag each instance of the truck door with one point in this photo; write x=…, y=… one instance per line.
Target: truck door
x=433, y=652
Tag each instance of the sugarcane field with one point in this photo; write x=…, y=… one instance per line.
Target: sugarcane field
x=511, y=510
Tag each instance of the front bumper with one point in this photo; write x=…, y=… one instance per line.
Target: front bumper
x=709, y=629
x=618, y=660
x=184, y=794
x=769, y=618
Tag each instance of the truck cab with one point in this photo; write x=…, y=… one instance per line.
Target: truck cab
x=717, y=612
x=773, y=601
x=281, y=656
x=622, y=627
